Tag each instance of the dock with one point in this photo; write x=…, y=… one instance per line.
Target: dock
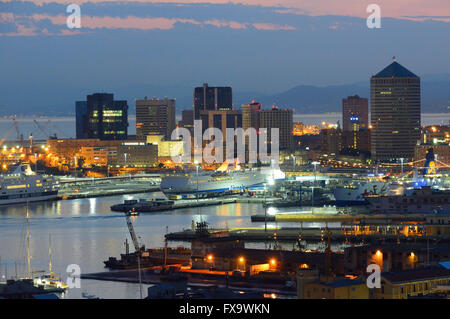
x=319, y=216
x=310, y=235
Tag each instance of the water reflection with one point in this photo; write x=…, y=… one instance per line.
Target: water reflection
x=86, y=232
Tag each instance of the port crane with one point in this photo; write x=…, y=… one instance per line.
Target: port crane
x=5, y=136
x=133, y=235
x=139, y=249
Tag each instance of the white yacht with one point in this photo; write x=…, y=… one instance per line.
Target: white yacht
x=23, y=185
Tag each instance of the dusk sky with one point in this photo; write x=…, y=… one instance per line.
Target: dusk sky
x=262, y=46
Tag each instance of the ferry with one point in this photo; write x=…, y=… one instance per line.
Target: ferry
x=218, y=182
x=23, y=185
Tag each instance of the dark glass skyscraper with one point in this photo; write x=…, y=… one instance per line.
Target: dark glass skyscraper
x=81, y=119
x=208, y=98
x=395, y=113
x=104, y=118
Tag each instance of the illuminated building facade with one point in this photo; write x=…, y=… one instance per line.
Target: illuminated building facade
x=250, y=118
x=155, y=117
x=395, y=113
x=355, y=113
x=136, y=154
x=330, y=140
x=207, y=98
x=413, y=283
x=281, y=119
x=102, y=117
x=355, y=123
x=166, y=149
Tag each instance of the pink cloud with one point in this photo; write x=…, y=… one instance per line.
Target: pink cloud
x=230, y=24
x=357, y=8
x=271, y=26
x=22, y=31
x=6, y=17
x=150, y=23
x=129, y=22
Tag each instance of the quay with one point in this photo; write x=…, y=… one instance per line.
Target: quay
x=368, y=219
x=340, y=235
x=104, y=193
x=157, y=205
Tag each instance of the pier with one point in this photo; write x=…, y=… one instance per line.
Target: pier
x=348, y=234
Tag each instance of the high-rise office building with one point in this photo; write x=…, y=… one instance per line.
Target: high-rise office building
x=208, y=98
x=187, y=120
x=250, y=115
x=355, y=113
x=330, y=140
x=250, y=118
x=355, y=123
x=281, y=119
x=155, y=117
x=395, y=113
x=81, y=119
x=102, y=117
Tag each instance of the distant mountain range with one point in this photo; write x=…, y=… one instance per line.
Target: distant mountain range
x=312, y=99
x=304, y=99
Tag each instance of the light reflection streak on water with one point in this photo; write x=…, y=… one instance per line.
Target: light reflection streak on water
x=87, y=232
x=92, y=202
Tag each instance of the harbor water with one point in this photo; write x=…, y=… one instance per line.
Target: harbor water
x=86, y=232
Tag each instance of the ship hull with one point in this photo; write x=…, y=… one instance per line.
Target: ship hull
x=346, y=196
x=37, y=198
x=23, y=185
x=207, y=183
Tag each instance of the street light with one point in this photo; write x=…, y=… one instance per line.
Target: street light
x=242, y=262
x=265, y=209
x=196, y=166
x=315, y=179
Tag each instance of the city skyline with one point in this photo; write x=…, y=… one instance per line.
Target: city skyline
x=139, y=49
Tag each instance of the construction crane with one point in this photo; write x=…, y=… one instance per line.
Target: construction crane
x=19, y=136
x=61, y=134
x=42, y=129
x=133, y=234
x=7, y=133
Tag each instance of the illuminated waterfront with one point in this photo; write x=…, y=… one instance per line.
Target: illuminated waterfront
x=86, y=232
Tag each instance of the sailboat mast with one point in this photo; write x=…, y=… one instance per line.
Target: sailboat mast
x=49, y=253
x=28, y=246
